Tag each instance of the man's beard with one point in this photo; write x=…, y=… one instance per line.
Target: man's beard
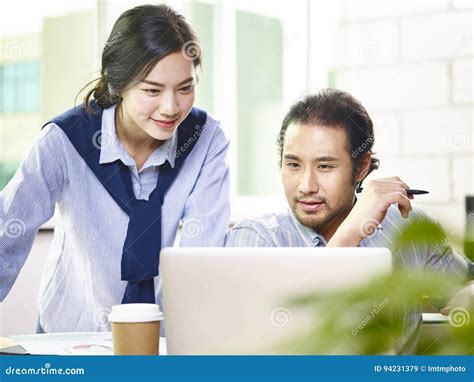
x=321, y=220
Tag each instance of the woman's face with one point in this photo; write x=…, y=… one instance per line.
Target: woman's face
x=161, y=101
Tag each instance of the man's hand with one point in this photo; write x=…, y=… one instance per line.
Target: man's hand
x=371, y=209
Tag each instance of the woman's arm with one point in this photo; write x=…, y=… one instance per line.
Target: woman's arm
x=28, y=201
x=207, y=210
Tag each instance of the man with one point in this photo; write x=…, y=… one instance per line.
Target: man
x=325, y=149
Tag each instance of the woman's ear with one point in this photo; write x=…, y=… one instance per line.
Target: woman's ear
x=364, y=167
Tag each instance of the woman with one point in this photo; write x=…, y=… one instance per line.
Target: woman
x=123, y=170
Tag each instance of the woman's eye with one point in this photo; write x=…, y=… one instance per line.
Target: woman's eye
x=186, y=89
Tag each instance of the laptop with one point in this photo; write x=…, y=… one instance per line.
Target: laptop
x=235, y=300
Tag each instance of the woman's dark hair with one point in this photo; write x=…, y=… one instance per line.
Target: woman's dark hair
x=338, y=109
x=140, y=38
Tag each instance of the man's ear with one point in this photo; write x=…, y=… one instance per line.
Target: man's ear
x=364, y=167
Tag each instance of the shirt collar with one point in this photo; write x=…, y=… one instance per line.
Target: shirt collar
x=311, y=237
x=111, y=149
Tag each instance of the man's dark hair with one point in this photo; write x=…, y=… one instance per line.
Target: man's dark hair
x=338, y=109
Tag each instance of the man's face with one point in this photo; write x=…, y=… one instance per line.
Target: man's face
x=317, y=175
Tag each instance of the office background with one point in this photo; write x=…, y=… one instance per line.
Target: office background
x=409, y=62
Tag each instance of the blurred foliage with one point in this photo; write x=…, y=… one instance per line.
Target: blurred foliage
x=371, y=319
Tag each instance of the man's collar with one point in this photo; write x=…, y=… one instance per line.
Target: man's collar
x=311, y=237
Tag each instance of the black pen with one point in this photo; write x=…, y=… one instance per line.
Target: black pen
x=409, y=191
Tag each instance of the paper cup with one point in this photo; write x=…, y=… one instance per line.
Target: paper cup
x=136, y=329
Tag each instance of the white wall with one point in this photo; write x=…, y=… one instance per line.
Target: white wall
x=18, y=313
x=411, y=65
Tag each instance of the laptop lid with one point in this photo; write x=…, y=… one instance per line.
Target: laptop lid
x=235, y=300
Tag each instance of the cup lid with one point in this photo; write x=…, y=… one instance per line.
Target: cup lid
x=135, y=313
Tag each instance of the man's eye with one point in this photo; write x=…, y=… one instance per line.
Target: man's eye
x=325, y=166
x=292, y=164
x=151, y=91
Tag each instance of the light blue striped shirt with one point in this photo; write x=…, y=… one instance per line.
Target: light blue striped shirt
x=82, y=276
x=284, y=230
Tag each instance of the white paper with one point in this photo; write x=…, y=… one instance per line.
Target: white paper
x=434, y=318
x=84, y=343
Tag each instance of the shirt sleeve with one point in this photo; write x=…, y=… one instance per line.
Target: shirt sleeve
x=248, y=233
x=245, y=237
x=440, y=257
x=445, y=260
x=28, y=201
x=207, y=209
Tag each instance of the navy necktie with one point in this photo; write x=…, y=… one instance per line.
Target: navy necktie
x=137, y=268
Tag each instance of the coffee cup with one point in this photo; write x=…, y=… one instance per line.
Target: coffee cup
x=136, y=329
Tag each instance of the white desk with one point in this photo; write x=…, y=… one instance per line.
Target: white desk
x=100, y=343
x=82, y=343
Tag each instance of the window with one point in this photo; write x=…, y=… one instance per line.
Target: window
x=20, y=95
x=255, y=64
x=34, y=80
x=20, y=84
x=257, y=57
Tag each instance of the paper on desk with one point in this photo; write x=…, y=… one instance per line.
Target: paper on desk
x=6, y=342
x=434, y=318
x=82, y=343
x=95, y=343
